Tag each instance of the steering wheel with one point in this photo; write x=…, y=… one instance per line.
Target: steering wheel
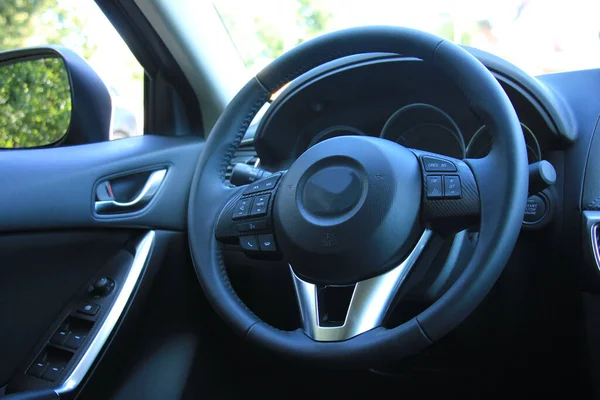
x=359, y=211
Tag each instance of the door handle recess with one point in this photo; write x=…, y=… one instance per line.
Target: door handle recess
x=139, y=202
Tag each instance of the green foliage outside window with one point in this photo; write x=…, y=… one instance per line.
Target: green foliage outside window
x=35, y=103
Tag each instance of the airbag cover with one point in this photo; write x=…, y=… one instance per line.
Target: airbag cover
x=348, y=209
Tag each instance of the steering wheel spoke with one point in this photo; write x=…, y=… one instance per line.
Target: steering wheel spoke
x=369, y=302
x=247, y=219
x=451, y=198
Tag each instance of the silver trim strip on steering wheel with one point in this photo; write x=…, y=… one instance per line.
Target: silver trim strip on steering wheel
x=592, y=220
x=369, y=304
x=142, y=252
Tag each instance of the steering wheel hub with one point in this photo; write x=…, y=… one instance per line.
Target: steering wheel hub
x=333, y=191
x=348, y=209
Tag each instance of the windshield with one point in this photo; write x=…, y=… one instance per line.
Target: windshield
x=539, y=36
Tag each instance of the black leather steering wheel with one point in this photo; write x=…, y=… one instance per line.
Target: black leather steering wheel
x=360, y=210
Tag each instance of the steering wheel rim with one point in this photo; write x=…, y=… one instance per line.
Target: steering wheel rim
x=501, y=179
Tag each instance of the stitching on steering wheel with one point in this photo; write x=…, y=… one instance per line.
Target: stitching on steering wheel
x=227, y=282
x=226, y=161
x=458, y=84
x=241, y=132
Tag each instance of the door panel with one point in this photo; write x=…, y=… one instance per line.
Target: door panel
x=54, y=188
x=54, y=245
x=39, y=274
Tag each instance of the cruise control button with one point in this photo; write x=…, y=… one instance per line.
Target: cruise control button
x=249, y=243
x=434, y=164
x=242, y=209
x=434, y=187
x=259, y=206
x=266, y=242
x=452, y=186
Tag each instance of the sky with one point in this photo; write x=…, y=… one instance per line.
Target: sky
x=529, y=41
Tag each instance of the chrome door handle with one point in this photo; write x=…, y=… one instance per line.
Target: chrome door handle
x=141, y=200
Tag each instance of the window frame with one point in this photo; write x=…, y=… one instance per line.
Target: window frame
x=171, y=107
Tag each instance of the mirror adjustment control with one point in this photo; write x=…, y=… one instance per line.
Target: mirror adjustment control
x=101, y=287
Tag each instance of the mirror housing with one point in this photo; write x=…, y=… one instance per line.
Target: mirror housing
x=91, y=104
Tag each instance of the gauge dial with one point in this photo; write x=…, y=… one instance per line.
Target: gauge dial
x=481, y=142
x=425, y=127
x=334, y=131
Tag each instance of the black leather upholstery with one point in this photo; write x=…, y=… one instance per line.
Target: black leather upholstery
x=501, y=177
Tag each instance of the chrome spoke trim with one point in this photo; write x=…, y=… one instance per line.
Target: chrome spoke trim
x=369, y=304
x=142, y=253
x=591, y=223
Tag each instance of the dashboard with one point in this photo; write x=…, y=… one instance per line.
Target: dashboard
x=401, y=99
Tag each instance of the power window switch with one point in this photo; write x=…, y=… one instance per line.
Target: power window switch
x=60, y=337
x=37, y=369
x=52, y=373
x=74, y=341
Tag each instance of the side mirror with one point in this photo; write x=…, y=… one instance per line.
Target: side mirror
x=50, y=96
